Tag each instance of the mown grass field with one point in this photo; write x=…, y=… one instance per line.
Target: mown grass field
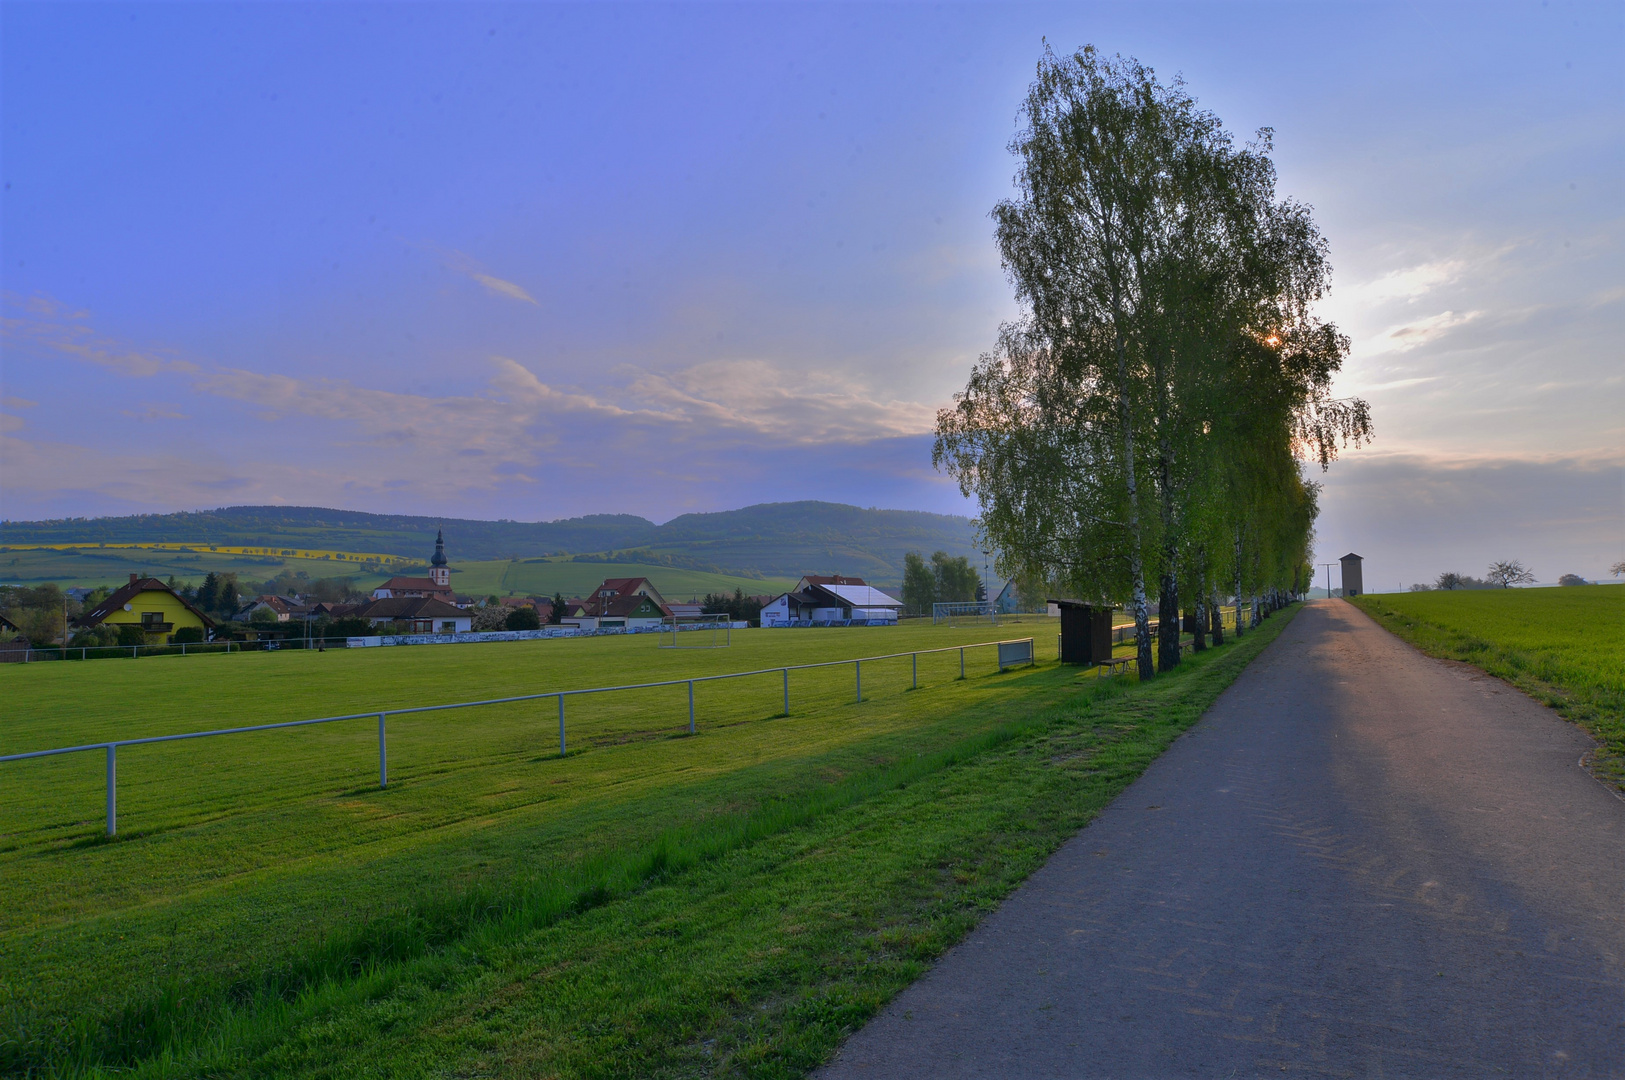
x=1564, y=646
x=655, y=905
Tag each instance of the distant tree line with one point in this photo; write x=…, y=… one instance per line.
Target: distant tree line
x=1143, y=427
x=945, y=579
x=737, y=606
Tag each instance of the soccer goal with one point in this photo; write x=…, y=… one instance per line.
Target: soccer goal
x=696, y=632
x=963, y=612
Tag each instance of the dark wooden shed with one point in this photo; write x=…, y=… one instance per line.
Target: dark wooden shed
x=1086, y=632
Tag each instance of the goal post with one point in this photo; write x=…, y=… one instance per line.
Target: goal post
x=696, y=631
x=964, y=611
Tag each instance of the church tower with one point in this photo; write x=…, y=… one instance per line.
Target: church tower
x=438, y=570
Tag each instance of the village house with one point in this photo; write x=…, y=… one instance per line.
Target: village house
x=819, y=599
x=282, y=607
x=415, y=615
x=624, y=603
x=147, y=603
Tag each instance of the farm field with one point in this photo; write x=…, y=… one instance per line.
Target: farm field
x=654, y=905
x=1564, y=646
x=90, y=566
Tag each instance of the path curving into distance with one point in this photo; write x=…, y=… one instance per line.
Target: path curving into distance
x=1362, y=862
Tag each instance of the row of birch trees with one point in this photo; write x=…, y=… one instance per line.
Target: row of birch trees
x=1146, y=426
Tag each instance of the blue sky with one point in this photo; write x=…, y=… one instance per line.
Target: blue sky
x=533, y=261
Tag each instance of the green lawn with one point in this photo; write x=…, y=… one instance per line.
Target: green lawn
x=727, y=904
x=544, y=577
x=1565, y=646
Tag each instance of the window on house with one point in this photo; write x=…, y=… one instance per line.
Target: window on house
x=151, y=618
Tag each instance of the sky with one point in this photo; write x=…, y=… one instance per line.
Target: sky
x=532, y=261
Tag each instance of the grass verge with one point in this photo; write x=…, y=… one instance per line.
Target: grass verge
x=1564, y=647
x=745, y=944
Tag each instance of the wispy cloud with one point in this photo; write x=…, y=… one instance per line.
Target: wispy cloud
x=466, y=265
x=151, y=412
x=1424, y=331
x=45, y=323
x=18, y=403
x=792, y=406
x=1409, y=283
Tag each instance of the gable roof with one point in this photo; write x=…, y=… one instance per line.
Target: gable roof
x=282, y=605
x=421, y=584
x=830, y=579
x=7, y=624
x=408, y=607
x=861, y=595
x=129, y=592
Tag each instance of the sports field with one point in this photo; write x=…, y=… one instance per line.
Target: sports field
x=1565, y=646
x=655, y=904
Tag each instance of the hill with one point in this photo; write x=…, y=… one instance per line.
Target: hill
x=769, y=540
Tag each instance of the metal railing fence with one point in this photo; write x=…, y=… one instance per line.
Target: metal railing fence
x=1009, y=654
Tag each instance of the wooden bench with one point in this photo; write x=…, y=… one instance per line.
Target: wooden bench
x=1120, y=663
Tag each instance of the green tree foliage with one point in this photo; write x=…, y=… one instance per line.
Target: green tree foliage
x=556, y=616
x=957, y=581
x=738, y=606
x=945, y=579
x=1146, y=419
x=919, y=585
x=524, y=618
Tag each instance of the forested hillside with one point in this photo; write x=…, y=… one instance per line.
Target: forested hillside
x=770, y=539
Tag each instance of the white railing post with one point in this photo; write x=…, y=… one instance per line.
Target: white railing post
x=961, y=662
x=112, y=789
x=786, y=691
x=691, y=706
x=383, y=754
x=858, y=665
x=914, y=660
x=561, y=725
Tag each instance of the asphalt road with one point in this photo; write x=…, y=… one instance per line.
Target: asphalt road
x=1361, y=862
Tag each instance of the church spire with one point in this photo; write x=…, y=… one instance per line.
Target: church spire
x=438, y=570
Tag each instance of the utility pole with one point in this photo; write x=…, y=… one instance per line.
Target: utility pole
x=1328, y=567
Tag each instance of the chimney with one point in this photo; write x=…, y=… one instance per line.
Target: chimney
x=133, y=579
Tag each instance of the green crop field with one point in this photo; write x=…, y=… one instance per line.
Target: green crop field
x=89, y=566
x=653, y=904
x=545, y=577
x=1565, y=646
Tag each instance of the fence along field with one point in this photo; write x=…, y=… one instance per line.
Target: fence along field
x=1008, y=653
x=257, y=842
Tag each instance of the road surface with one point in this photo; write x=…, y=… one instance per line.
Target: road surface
x=1362, y=862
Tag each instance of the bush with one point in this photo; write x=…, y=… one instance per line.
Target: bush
x=187, y=635
x=490, y=617
x=524, y=618
x=96, y=636
x=1572, y=579
x=349, y=627
x=131, y=634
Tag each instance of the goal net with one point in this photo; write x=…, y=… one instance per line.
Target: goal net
x=696, y=632
x=961, y=612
